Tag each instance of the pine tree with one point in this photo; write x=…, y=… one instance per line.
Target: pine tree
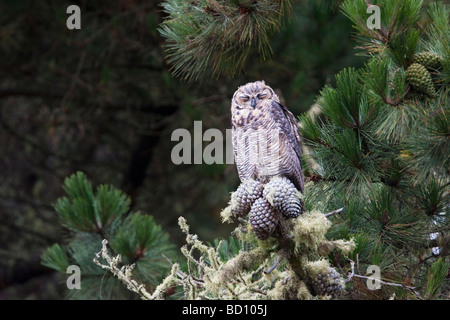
x=378, y=150
x=382, y=148
x=91, y=217
x=214, y=37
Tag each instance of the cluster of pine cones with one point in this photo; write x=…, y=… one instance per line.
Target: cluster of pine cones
x=266, y=204
x=418, y=73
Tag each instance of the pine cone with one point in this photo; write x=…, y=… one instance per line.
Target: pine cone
x=245, y=196
x=429, y=60
x=419, y=77
x=281, y=192
x=263, y=218
x=328, y=284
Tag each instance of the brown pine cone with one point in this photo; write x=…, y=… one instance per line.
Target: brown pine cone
x=281, y=192
x=263, y=218
x=244, y=197
x=328, y=284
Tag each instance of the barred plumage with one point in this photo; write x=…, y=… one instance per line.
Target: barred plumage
x=243, y=198
x=283, y=195
x=266, y=138
x=263, y=218
x=328, y=283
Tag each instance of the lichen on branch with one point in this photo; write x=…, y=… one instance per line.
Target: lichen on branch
x=291, y=264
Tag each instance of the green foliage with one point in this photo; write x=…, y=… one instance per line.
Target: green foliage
x=345, y=103
x=381, y=148
x=139, y=238
x=397, y=34
x=55, y=258
x=85, y=211
x=436, y=276
x=429, y=147
x=216, y=37
x=438, y=36
x=228, y=248
x=394, y=224
x=93, y=217
x=433, y=197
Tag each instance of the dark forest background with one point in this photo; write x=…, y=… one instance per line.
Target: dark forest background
x=102, y=100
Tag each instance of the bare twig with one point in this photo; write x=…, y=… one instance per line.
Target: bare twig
x=275, y=264
x=180, y=274
x=254, y=273
x=353, y=275
x=242, y=220
x=357, y=263
x=334, y=212
x=123, y=274
x=384, y=282
x=258, y=291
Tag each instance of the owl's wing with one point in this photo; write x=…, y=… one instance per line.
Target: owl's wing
x=290, y=130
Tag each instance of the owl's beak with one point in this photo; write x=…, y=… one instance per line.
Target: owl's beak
x=253, y=102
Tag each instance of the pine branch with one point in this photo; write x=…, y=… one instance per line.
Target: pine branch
x=215, y=37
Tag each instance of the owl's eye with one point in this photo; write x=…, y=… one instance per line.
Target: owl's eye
x=261, y=95
x=244, y=98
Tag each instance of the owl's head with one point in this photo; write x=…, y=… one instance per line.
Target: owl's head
x=251, y=95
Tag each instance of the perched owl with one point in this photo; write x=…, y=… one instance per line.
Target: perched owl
x=266, y=138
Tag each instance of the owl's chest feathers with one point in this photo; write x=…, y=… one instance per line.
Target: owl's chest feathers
x=257, y=144
x=250, y=119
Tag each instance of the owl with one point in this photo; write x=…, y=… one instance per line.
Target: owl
x=266, y=138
